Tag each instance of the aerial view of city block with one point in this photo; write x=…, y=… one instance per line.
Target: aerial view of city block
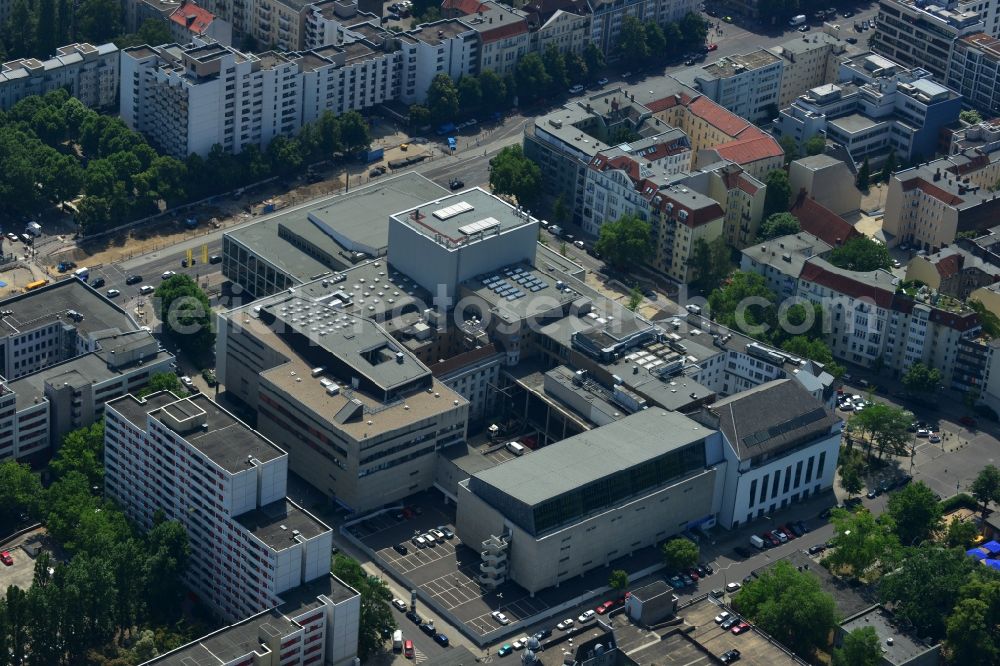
x=445, y=332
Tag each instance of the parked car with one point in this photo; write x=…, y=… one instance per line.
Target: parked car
x=732, y=588
x=602, y=81
x=431, y=541
x=6, y=558
x=722, y=617
x=408, y=649
x=438, y=534
x=605, y=607
x=741, y=628
x=796, y=530
x=414, y=618
x=448, y=534
x=428, y=628
x=401, y=549
x=456, y=183
x=215, y=259
x=542, y=634
x=713, y=47
x=505, y=650
x=441, y=640
x=168, y=274
x=586, y=616
x=802, y=526
x=565, y=624
x=923, y=433
x=400, y=605
x=730, y=623
x=576, y=90
x=12, y=237
x=934, y=438
x=500, y=617
x=133, y=279
x=419, y=542
x=730, y=656
x=818, y=548
x=113, y=293
x=872, y=493
x=520, y=643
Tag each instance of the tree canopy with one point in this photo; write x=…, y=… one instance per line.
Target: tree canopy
x=443, y=99
x=861, y=254
x=680, y=554
x=986, y=486
x=163, y=381
x=916, y=513
x=779, y=224
x=82, y=451
x=511, y=172
x=778, y=194
x=618, y=579
x=376, y=613
x=790, y=606
x=860, y=541
x=186, y=313
x=922, y=380
x=626, y=241
x=710, y=262
x=881, y=427
x=861, y=647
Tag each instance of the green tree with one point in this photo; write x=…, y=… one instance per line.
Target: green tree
x=779, y=224
x=680, y=554
x=45, y=36
x=861, y=647
x=555, y=66
x=594, y=58
x=860, y=541
x=494, y=90
x=19, y=30
x=882, y=428
x=82, y=451
x=634, y=298
x=789, y=605
x=577, y=69
x=442, y=99
x=864, y=174
x=815, y=145
x=861, y=254
x=710, y=261
x=284, y=154
x=986, y=487
x=560, y=211
x=514, y=174
x=916, y=512
x=960, y=533
x=98, y=21
x=626, y=241
x=618, y=579
x=851, y=479
x=971, y=637
x=744, y=296
x=376, y=612
x=419, y=115
x=921, y=380
x=470, y=94
x=778, y=193
x=632, y=40
x=656, y=40
x=925, y=585
x=695, y=30
x=354, y=132
x=20, y=490
x=790, y=146
x=533, y=80
x=168, y=553
x=163, y=381
x=970, y=116
x=890, y=164
x=185, y=312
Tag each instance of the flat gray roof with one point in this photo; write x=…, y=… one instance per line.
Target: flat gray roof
x=776, y=416
x=359, y=217
x=854, y=123
x=576, y=461
x=516, y=291
x=226, y=441
x=50, y=304
x=304, y=598
x=229, y=643
x=279, y=523
x=455, y=219
x=903, y=648
x=787, y=254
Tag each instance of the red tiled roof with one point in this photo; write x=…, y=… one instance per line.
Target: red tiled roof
x=192, y=17
x=950, y=265
x=669, y=102
x=463, y=6
x=718, y=116
x=822, y=222
x=504, y=30
x=744, y=184
x=744, y=150
x=932, y=190
x=844, y=284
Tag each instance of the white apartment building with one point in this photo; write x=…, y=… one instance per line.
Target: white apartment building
x=444, y=47
x=607, y=17
x=808, y=61
x=503, y=36
x=973, y=71
x=748, y=84
x=89, y=73
x=226, y=484
x=355, y=75
x=567, y=28
x=918, y=34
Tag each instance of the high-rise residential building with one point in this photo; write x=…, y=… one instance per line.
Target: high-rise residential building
x=918, y=34
x=253, y=550
x=973, y=71
x=87, y=72
x=448, y=47
x=808, y=61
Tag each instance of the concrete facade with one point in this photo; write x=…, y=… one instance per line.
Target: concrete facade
x=88, y=72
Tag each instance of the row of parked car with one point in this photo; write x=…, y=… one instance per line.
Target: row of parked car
x=779, y=535
x=567, y=624
x=428, y=539
x=690, y=577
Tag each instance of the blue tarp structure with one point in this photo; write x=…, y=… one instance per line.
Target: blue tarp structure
x=992, y=547
x=976, y=553
x=992, y=563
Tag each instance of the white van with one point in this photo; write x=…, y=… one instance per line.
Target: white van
x=146, y=289
x=397, y=641
x=82, y=273
x=516, y=448
x=757, y=542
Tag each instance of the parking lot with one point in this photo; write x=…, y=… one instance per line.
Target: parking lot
x=22, y=572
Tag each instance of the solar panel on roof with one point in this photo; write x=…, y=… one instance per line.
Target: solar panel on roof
x=535, y=288
x=453, y=210
x=511, y=297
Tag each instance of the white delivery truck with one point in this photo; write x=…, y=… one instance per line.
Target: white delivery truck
x=397, y=641
x=82, y=273
x=33, y=228
x=797, y=20
x=757, y=542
